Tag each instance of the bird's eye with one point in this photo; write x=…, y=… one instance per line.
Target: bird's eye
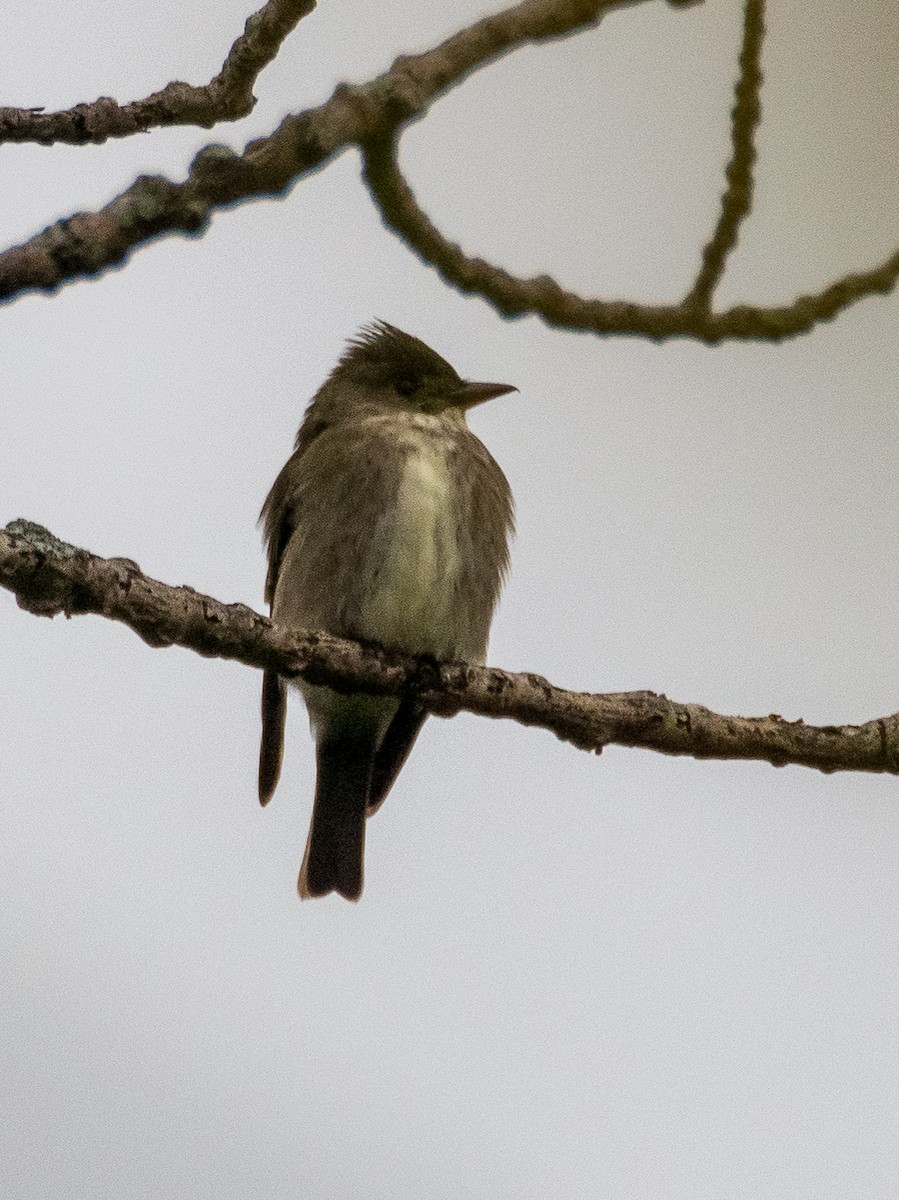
x=406, y=387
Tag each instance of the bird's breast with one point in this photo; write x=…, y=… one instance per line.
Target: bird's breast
x=416, y=563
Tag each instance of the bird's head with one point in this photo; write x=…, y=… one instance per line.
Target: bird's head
x=385, y=367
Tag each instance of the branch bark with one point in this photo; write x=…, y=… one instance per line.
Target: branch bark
x=88, y=244
x=736, y=201
x=544, y=297
x=225, y=98
x=371, y=117
x=693, y=317
x=49, y=576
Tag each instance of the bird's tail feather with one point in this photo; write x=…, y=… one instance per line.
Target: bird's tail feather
x=335, y=848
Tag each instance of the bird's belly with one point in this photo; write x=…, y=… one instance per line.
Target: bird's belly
x=416, y=566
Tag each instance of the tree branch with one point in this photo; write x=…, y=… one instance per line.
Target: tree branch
x=87, y=244
x=227, y=97
x=737, y=199
x=48, y=577
x=370, y=116
x=542, y=296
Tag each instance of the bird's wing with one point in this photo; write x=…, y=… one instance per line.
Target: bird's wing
x=271, y=747
x=393, y=751
x=278, y=517
x=279, y=522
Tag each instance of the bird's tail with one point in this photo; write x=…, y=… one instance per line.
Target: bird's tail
x=333, y=861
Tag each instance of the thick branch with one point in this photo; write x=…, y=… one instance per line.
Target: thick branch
x=226, y=98
x=49, y=576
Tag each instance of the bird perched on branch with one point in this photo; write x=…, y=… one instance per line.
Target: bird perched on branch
x=389, y=523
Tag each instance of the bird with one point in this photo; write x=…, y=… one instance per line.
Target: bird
x=390, y=524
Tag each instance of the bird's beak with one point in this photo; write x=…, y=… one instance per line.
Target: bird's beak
x=476, y=393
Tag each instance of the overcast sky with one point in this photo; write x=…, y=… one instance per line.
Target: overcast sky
x=620, y=978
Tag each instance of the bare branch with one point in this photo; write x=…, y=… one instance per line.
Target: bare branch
x=370, y=117
x=226, y=98
x=49, y=577
x=737, y=199
x=514, y=297
x=86, y=244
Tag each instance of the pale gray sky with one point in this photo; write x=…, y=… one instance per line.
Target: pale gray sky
x=618, y=978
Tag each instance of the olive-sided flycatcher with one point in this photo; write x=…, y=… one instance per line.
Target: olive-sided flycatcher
x=389, y=523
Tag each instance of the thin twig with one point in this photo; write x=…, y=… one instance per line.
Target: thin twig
x=227, y=97
x=543, y=296
x=737, y=198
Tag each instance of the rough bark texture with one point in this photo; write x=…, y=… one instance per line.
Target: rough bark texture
x=225, y=98
x=49, y=576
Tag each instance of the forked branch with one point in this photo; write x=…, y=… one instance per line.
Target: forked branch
x=371, y=116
